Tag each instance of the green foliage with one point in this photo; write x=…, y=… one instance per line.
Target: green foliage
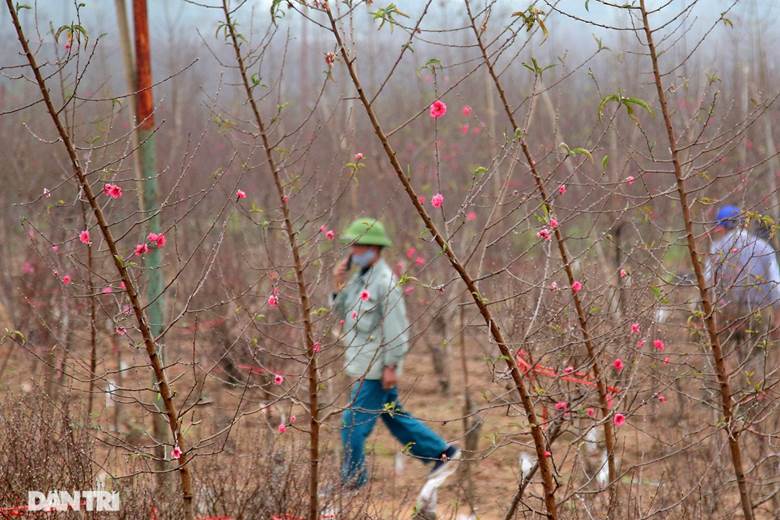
x=531, y=17
x=479, y=170
x=537, y=69
x=387, y=15
x=276, y=12
x=571, y=152
x=432, y=64
x=71, y=30
x=14, y=335
x=628, y=102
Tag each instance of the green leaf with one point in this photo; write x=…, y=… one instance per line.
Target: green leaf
x=605, y=100
x=479, y=170
x=604, y=162
x=275, y=12
x=387, y=15
x=639, y=102
x=582, y=151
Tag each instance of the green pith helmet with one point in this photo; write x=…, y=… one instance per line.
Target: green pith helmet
x=366, y=232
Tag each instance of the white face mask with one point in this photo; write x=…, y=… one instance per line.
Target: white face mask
x=364, y=259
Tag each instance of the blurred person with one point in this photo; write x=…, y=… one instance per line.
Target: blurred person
x=376, y=336
x=742, y=270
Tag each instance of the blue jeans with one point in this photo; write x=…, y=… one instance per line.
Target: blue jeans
x=369, y=401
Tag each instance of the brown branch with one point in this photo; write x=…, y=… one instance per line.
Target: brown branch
x=495, y=331
x=609, y=438
x=701, y=282
x=305, y=305
x=171, y=412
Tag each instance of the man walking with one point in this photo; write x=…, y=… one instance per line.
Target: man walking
x=743, y=271
x=376, y=335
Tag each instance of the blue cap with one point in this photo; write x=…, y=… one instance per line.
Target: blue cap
x=728, y=216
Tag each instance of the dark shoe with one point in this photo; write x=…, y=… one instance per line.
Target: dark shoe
x=445, y=465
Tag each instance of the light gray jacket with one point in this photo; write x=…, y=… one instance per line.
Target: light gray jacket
x=376, y=330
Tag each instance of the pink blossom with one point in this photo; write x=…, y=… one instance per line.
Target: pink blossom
x=640, y=343
x=576, y=286
x=240, y=194
x=544, y=234
x=554, y=286
x=661, y=398
x=466, y=110
x=282, y=428
x=292, y=419
x=623, y=273
x=278, y=379
x=112, y=190
x=568, y=370
x=619, y=419
x=666, y=360
x=273, y=300
x=419, y=260
x=364, y=295
x=591, y=412
x=176, y=453
x=27, y=267
x=122, y=285
x=554, y=223
x=438, y=109
x=157, y=239
x=341, y=322
x=561, y=406
x=120, y=331
x=409, y=289
x=66, y=279
x=561, y=189
x=437, y=200
x=330, y=235
x=410, y=252
x=421, y=199
x=55, y=248
x=630, y=180
x=107, y=290
x=330, y=58
x=84, y=237
x=285, y=199
x=358, y=157
x=659, y=345
x=353, y=315
x=635, y=328
x=618, y=365
x=464, y=128
x=46, y=193
x=141, y=249
x=323, y=228
x=547, y=454
x=316, y=347
x=471, y=216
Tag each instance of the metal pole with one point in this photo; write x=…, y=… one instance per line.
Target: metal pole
x=146, y=139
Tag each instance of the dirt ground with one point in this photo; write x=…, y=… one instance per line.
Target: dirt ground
x=674, y=429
